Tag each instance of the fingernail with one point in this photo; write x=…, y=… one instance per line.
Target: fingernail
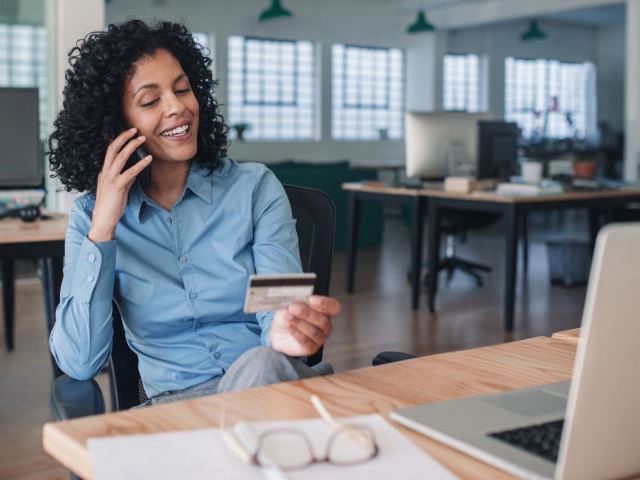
x=296, y=309
x=133, y=129
x=141, y=137
x=315, y=300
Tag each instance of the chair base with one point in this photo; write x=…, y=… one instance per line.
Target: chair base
x=451, y=264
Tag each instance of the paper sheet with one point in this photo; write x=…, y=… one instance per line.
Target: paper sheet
x=202, y=454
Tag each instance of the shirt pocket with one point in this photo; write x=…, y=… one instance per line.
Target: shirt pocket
x=133, y=289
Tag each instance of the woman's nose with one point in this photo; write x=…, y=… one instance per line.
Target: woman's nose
x=174, y=106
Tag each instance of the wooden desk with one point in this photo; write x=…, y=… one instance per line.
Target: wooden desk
x=514, y=210
x=378, y=389
x=569, y=336
x=41, y=239
x=359, y=192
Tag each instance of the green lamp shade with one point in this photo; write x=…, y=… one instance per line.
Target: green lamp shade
x=276, y=10
x=533, y=32
x=421, y=24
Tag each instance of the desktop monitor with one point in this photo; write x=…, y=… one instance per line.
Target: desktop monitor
x=497, y=155
x=431, y=139
x=21, y=163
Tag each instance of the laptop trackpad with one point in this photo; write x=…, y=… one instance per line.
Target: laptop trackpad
x=529, y=403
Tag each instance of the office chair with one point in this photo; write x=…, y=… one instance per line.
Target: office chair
x=315, y=215
x=456, y=224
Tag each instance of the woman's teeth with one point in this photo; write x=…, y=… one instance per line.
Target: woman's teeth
x=176, y=131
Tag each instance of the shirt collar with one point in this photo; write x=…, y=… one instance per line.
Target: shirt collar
x=198, y=181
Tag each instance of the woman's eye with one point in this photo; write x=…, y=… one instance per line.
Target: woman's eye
x=148, y=104
x=182, y=91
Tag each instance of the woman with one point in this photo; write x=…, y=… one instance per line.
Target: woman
x=174, y=251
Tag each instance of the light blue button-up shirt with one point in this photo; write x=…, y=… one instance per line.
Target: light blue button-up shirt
x=179, y=277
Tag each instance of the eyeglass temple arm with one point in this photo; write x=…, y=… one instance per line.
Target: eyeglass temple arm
x=232, y=442
x=355, y=434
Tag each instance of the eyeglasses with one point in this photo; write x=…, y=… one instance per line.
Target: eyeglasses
x=290, y=449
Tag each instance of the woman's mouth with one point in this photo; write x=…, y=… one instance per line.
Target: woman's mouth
x=180, y=132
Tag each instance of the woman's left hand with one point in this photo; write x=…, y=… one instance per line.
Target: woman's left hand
x=301, y=329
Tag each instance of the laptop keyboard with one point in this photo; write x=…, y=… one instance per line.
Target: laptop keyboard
x=542, y=439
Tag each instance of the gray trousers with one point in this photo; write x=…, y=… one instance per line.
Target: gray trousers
x=254, y=368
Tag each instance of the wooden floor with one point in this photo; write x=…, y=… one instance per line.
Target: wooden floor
x=376, y=317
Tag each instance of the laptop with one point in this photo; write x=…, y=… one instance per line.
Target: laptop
x=589, y=429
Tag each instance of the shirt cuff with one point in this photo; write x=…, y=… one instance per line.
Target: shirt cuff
x=95, y=270
x=264, y=320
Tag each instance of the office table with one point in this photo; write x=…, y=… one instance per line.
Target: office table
x=369, y=390
x=358, y=192
x=570, y=336
x=514, y=209
x=42, y=239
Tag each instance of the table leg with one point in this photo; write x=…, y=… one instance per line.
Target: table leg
x=8, y=298
x=416, y=249
x=352, y=244
x=594, y=225
x=525, y=241
x=51, y=282
x=433, y=246
x=511, y=217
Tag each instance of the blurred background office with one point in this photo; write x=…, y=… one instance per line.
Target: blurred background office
x=319, y=92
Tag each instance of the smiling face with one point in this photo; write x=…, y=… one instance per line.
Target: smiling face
x=159, y=102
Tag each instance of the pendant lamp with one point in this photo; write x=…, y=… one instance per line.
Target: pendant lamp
x=421, y=24
x=276, y=10
x=533, y=32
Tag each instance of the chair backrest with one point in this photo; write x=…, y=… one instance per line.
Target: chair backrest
x=315, y=216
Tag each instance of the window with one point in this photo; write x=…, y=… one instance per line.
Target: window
x=367, y=93
x=463, y=83
x=550, y=99
x=272, y=88
x=23, y=62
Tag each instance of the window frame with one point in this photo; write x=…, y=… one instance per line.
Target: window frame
x=588, y=119
x=296, y=103
x=386, y=106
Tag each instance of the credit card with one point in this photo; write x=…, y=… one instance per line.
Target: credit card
x=273, y=292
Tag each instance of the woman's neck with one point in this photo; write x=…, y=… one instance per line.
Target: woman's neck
x=167, y=182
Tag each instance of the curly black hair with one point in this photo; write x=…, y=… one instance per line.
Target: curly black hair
x=92, y=116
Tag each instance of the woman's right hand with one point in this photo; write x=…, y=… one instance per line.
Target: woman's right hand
x=114, y=184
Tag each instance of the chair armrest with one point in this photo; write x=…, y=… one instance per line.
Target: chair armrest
x=71, y=398
x=389, y=357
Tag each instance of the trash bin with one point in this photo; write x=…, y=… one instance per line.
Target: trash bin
x=569, y=260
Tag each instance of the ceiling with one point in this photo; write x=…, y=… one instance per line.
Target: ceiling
x=608, y=15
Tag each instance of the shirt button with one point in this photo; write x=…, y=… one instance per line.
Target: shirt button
x=217, y=355
x=169, y=219
x=91, y=257
x=193, y=295
x=183, y=258
x=90, y=278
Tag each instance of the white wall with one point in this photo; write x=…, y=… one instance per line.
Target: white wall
x=610, y=63
x=326, y=22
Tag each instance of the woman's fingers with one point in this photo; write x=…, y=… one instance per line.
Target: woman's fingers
x=314, y=333
x=116, y=145
x=327, y=305
x=309, y=337
x=121, y=159
x=306, y=314
x=131, y=173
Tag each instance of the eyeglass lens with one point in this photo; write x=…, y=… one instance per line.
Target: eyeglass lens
x=291, y=450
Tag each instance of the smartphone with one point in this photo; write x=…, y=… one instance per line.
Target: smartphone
x=144, y=177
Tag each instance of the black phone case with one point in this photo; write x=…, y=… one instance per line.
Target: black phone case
x=144, y=177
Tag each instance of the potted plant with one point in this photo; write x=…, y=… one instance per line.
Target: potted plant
x=240, y=128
